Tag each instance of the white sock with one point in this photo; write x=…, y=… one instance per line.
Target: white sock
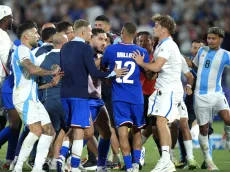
x=26, y=148
x=42, y=150
x=144, y=139
x=77, y=149
x=165, y=153
x=204, y=146
x=66, y=144
x=116, y=158
x=189, y=149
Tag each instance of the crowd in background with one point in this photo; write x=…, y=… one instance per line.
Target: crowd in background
x=193, y=17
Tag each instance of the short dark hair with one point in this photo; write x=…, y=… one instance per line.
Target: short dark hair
x=80, y=23
x=130, y=27
x=198, y=41
x=63, y=26
x=102, y=18
x=96, y=31
x=48, y=32
x=165, y=21
x=24, y=27
x=143, y=33
x=110, y=38
x=217, y=31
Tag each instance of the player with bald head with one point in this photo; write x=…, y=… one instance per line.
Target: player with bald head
x=51, y=94
x=26, y=68
x=47, y=25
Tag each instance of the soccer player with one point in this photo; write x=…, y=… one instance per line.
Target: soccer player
x=33, y=113
x=77, y=62
x=127, y=94
x=169, y=91
x=208, y=97
x=103, y=22
x=11, y=132
x=67, y=28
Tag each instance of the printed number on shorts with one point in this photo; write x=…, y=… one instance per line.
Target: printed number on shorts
x=126, y=79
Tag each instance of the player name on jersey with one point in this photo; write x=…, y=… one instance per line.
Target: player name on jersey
x=124, y=55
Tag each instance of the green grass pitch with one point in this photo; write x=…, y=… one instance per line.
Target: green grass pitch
x=221, y=157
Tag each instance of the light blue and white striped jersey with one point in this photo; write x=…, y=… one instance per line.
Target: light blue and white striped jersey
x=210, y=65
x=25, y=87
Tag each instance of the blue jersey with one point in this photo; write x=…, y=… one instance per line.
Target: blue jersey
x=8, y=83
x=127, y=88
x=210, y=65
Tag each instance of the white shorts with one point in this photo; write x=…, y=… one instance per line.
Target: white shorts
x=183, y=112
x=165, y=104
x=31, y=112
x=208, y=105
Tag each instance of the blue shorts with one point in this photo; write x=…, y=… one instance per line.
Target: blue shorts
x=128, y=113
x=95, y=107
x=7, y=99
x=56, y=113
x=77, y=112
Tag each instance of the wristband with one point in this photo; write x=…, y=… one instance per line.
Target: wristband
x=188, y=85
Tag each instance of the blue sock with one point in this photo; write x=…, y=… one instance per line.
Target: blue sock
x=128, y=161
x=136, y=156
x=64, y=151
x=12, y=144
x=103, y=150
x=4, y=135
x=75, y=162
x=84, y=142
x=210, y=143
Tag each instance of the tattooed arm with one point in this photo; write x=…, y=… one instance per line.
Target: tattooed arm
x=36, y=70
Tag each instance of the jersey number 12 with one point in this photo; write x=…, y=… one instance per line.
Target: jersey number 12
x=126, y=79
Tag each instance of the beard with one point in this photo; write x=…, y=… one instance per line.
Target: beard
x=34, y=44
x=98, y=51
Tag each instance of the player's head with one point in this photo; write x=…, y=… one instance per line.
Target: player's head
x=164, y=25
x=6, y=17
x=102, y=22
x=215, y=37
x=59, y=39
x=145, y=40
x=47, y=34
x=128, y=31
x=28, y=34
x=109, y=40
x=47, y=25
x=196, y=44
x=67, y=28
x=82, y=29
x=98, y=41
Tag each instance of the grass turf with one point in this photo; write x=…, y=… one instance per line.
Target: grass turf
x=220, y=157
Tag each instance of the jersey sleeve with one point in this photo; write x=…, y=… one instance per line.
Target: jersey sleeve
x=23, y=53
x=197, y=57
x=105, y=59
x=184, y=67
x=228, y=59
x=165, y=52
x=146, y=58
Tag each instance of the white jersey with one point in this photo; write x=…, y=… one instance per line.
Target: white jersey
x=169, y=77
x=210, y=65
x=5, y=47
x=94, y=87
x=184, y=66
x=25, y=87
